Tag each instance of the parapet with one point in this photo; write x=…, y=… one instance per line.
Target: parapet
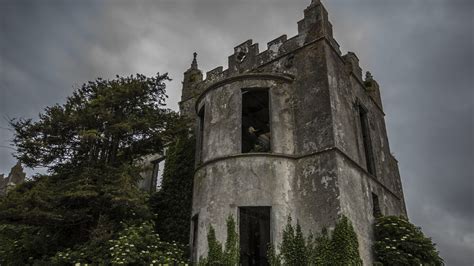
x=373, y=89
x=247, y=57
x=352, y=62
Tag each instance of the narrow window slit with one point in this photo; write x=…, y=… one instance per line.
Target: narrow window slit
x=201, y=134
x=369, y=156
x=376, y=206
x=195, y=227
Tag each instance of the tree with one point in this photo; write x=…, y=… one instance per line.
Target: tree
x=320, y=248
x=91, y=146
x=293, y=246
x=340, y=248
x=345, y=247
x=398, y=242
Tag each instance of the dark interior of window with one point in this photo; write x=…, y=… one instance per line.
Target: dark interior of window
x=195, y=236
x=256, y=136
x=376, y=205
x=201, y=133
x=369, y=157
x=154, y=175
x=254, y=235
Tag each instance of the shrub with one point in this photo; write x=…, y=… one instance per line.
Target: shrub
x=398, y=242
x=135, y=245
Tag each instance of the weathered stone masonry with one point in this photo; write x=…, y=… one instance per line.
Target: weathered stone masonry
x=329, y=153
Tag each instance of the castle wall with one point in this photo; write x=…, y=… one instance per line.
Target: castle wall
x=314, y=121
x=355, y=183
x=317, y=192
x=222, y=186
x=317, y=168
x=223, y=115
x=347, y=92
x=356, y=189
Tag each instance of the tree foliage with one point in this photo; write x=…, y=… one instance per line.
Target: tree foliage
x=320, y=248
x=91, y=146
x=398, y=242
x=293, y=246
x=104, y=122
x=344, y=244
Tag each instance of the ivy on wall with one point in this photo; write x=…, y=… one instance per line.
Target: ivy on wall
x=172, y=204
x=216, y=256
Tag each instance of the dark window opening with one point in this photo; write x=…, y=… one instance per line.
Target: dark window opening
x=195, y=227
x=376, y=206
x=201, y=133
x=364, y=123
x=256, y=135
x=254, y=235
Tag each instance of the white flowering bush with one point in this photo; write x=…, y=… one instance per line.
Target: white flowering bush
x=139, y=245
x=134, y=245
x=398, y=242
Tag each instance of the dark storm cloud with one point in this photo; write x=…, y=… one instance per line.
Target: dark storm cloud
x=421, y=54
x=420, y=51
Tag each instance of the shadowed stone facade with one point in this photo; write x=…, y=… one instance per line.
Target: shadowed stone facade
x=16, y=176
x=329, y=153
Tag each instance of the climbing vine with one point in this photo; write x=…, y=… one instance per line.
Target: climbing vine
x=172, y=204
x=216, y=256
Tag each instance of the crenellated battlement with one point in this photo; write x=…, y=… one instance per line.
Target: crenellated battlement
x=315, y=26
x=247, y=57
x=293, y=130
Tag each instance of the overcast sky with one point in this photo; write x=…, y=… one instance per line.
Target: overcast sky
x=420, y=51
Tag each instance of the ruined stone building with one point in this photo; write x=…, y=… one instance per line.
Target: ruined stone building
x=16, y=176
x=294, y=130
x=152, y=173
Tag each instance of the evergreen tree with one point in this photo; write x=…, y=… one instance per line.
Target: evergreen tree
x=91, y=146
x=274, y=259
x=293, y=247
x=287, y=244
x=300, y=248
x=339, y=249
x=345, y=247
x=215, y=255
x=320, y=249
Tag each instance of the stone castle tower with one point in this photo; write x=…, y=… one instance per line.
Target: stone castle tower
x=16, y=176
x=293, y=130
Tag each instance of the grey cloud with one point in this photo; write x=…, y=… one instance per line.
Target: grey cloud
x=420, y=51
